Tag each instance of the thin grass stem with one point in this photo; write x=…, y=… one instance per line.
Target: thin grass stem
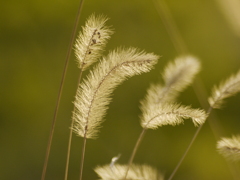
x=189, y=146
x=60, y=91
x=83, y=155
x=185, y=153
x=170, y=26
x=70, y=137
x=135, y=150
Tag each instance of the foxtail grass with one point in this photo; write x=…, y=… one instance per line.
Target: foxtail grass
x=89, y=46
x=93, y=95
x=226, y=89
x=230, y=148
x=198, y=87
x=117, y=172
x=159, y=107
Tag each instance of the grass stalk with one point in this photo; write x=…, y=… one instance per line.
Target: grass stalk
x=170, y=26
x=60, y=91
x=189, y=146
x=185, y=153
x=83, y=155
x=70, y=137
x=135, y=150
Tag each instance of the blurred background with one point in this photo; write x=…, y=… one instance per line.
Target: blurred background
x=34, y=37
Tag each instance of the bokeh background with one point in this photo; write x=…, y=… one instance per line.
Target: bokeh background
x=34, y=37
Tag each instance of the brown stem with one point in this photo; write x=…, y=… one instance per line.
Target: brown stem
x=70, y=136
x=83, y=155
x=170, y=26
x=185, y=153
x=60, y=91
x=189, y=146
x=135, y=150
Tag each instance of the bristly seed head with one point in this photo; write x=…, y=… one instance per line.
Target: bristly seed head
x=226, y=89
x=93, y=95
x=230, y=148
x=88, y=47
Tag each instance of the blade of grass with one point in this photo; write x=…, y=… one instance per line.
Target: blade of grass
x=60, y=90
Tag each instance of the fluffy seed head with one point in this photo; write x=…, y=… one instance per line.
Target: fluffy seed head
x=170, y=114
x=92, y=40
x=136, y=172
x=226, y=89
x=180, y=73
x=93, y=95
x=230, y=148
x=177, y=76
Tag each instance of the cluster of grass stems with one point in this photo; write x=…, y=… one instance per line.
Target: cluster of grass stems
x=159, y=107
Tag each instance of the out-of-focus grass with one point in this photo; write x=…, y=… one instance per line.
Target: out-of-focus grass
x=33, y=43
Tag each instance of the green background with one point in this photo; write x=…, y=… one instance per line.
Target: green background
x=34, y=37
